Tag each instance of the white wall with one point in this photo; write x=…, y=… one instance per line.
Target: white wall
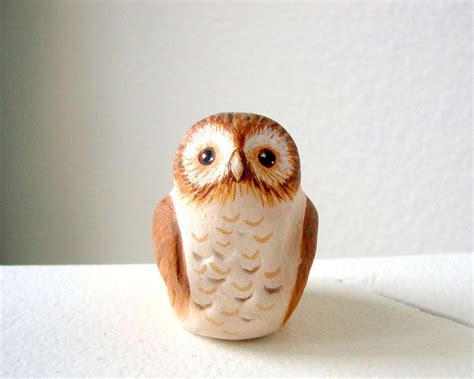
x=96, y=97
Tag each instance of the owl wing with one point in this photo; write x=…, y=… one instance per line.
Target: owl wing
x=308, y=251
x=169, y=255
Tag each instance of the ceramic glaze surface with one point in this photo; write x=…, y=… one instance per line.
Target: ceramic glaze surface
x=236, y=238
x=242, y=263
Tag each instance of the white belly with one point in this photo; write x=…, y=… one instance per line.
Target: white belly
x=242, y=260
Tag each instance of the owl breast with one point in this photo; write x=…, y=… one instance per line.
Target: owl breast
x=241, y=259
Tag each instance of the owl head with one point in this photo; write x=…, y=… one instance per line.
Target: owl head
x=230, y=154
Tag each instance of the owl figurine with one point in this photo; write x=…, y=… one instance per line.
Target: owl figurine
x=235, y=239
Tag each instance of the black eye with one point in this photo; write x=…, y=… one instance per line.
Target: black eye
x=206, y=156
x=266, y=158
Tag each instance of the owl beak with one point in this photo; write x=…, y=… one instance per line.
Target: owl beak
x=236, y=166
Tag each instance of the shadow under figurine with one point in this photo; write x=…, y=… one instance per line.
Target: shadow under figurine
x=236, y=237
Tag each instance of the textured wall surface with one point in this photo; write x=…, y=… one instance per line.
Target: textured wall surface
x=96, y=97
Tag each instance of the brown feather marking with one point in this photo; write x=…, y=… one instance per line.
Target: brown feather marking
x=217, y=281
x=251, y=270
x=253, y=256
x=231, y=220
x=263, y=239
x=201, y=270
x=202, y=306
x=202, y=239
x=223, y=244
x=273, y=290
x=246, y=319
x=243, y=299
x=263, y=308
x=308, y=251
x=169, y=256
x=197, y=256
x=235, y=312
x=253, y=223
x=219, y=255
x=272, y=274
x=242, y=288
x=223, y=231
x=218, y=270
x=208, y=291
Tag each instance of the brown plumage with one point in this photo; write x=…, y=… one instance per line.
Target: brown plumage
x=169, y=256
x=308, y=251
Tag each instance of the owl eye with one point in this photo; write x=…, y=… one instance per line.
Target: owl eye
x=206, y=156
x=267, y=158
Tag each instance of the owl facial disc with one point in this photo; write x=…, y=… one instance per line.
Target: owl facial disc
x=237, y=153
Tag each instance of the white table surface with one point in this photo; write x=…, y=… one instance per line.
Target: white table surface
x=114, y=320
